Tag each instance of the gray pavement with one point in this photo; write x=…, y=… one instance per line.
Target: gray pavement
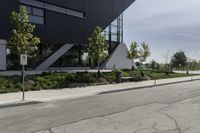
x=171, y=108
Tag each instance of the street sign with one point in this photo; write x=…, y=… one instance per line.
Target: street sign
x=23, y=59
x=23, y=62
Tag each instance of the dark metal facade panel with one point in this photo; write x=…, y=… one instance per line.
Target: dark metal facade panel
x=103, y=12
x=62, y=28
x=6, y=6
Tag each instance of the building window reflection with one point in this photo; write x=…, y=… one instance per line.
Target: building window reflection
x=77, y=56
x=114, y=32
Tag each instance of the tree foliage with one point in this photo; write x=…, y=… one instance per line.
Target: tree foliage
x=157, y=67
x=22, y=41
x=141, y=53
x=179, y=59
x=132, y=54
x=144, y=52
x=97, y=46
x=153, y=64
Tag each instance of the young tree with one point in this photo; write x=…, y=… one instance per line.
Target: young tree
x=132, y=54
x=97, y=47
x=157, y=66
x=22, y=40
x=167, y=66
x=179, y=59
x=192, y=64
x=166, y=57
x=144, y=53
x=153, y=64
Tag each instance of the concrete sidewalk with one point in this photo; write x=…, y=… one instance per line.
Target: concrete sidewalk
x=52, y=95
x=34, y=72
x=190, y=72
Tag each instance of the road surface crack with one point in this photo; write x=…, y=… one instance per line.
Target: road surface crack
x=50, y=130
x=153, y=128
x=177, y=127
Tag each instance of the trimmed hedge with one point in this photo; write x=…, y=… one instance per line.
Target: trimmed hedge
x=9, y=85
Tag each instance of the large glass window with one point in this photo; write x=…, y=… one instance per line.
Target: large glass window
x=115, y=22
x=114, y=32
x=77, y=56
x=36, y=15
x=114, y=29
x=114, y=38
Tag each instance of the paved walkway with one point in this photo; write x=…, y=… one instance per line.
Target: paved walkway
x=33, y=72
x=51, y=95
x=191, y=72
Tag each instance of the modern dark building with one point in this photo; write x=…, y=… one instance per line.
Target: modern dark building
x=64, y=27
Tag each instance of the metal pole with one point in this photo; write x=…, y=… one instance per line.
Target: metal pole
x=23, y=80
x=192, y=73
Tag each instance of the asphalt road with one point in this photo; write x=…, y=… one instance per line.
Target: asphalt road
x=164, y=109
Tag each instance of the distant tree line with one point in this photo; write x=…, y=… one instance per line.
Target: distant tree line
x=179, y=61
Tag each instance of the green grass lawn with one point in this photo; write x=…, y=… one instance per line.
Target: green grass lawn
x=161, y=75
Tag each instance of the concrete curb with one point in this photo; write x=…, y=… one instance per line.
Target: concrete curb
x=147, y=86
x=17, y=104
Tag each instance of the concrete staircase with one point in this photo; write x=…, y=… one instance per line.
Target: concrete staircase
x=54, y=57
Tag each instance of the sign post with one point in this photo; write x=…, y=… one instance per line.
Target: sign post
x=23, y=62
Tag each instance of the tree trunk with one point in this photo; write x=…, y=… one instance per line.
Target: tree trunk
x=142, y=73
x=99, y=73
x=133, y=65
x=92, y=64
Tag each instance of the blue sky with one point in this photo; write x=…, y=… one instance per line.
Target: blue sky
x=166, y=25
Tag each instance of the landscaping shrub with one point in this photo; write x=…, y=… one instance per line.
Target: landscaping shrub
x=110, y=77
x=56, y=80
x=136, y=74
x=84, y=78
x=9, y=85
x=52, y=80
x=62, y=80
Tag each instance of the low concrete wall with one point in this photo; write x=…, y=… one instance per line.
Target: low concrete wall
x=2, y=54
